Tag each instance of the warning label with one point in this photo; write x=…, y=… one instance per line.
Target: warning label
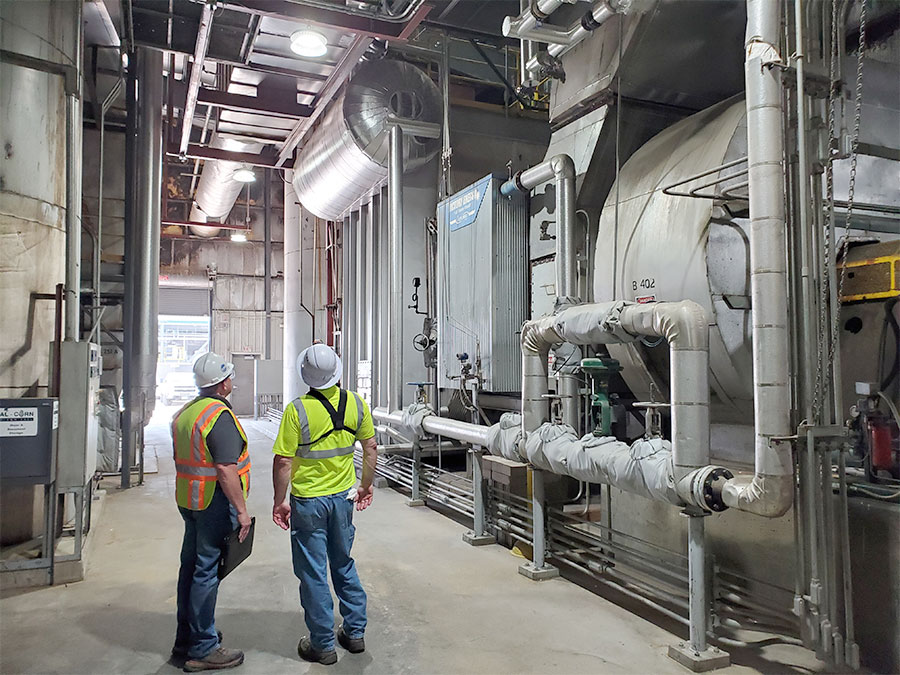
x=644, y=299
x=16, y=422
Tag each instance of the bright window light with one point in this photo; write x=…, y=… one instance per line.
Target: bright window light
x=239, y=237
x=308, y=42
x=244, y=175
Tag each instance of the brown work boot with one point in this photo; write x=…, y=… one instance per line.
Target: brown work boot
x=307, y=652
x=218, y=659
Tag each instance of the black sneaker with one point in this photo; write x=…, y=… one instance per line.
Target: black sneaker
x=352, y=645
x=309, y=653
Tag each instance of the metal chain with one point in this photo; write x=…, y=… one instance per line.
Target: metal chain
x=854, y=155
x=822, y=373
x=822, y=319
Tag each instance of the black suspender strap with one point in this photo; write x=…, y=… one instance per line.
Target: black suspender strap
x=337, y=416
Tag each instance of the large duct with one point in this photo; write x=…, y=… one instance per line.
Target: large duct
x=217, y=190
x=348, y=154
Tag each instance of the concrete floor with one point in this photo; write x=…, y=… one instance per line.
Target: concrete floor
x=436, y=605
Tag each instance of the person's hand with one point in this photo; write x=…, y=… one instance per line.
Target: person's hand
x=281, y=514
x=244, y=522
x=364, y=497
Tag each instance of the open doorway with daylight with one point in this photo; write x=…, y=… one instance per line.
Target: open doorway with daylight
x=184, y=331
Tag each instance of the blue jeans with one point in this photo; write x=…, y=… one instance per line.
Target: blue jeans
x=198, y=577
x=321, y=536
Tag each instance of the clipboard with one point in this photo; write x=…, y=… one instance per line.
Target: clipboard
x=235, y=552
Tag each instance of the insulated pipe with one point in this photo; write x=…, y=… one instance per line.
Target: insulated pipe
x=294, y=337
x=528, y=19
x=395, y=263
x=474, y=434
x=148, y=191
x=560, y=169
x=200, y=47
x=770, y=492
x=73, y=195
x=564, y=39
x=352, y=316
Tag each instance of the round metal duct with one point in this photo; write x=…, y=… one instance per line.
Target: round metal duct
x=348, y=153
x=661, y=247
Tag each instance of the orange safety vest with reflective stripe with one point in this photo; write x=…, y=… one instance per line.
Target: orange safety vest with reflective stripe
x=195, y=471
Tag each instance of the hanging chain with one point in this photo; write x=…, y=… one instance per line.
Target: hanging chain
x=822, y=318
x=823, y=372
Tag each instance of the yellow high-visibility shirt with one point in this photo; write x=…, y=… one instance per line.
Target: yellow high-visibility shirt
x=324, y=466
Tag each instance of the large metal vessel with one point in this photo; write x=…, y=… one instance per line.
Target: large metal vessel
x=656, y=243
x=348, y=154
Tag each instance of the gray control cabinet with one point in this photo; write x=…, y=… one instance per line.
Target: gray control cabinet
x=79, y=409
x=28, y=440
x=482, y=284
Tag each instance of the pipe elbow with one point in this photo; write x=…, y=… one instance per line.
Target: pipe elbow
x=690, y=326
x=562, y=166
x=538, y=335
x=762, y=495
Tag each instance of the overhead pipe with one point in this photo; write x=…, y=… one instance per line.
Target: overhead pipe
x=769, y=492
x=562, y=40
x=200, y=47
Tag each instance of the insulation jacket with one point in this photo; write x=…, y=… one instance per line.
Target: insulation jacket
x=348, y=154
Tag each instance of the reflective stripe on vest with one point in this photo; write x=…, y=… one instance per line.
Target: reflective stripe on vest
x=194, y=466
x=306, y=451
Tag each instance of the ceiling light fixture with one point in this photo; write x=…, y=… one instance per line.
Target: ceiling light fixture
x=308, y=42
x=239, y=237
x=244, y=174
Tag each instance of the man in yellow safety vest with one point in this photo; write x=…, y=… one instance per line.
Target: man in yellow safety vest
x=314, y=456
x=212, y=480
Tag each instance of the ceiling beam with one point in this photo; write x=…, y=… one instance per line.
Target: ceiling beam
x=194, y=151
x=264, y=103
x=372, y=27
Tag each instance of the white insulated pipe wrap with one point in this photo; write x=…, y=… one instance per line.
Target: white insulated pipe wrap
x=769, y=493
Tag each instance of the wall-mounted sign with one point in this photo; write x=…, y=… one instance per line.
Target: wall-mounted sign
x=18, y=422
x=462, y=208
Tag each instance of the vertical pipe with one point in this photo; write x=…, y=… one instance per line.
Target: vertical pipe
x=384, y=282
x=699, y=599
x=375, y=296
x=293, y=321
x=478, y=524
x=362, y=305
x=538, y=500
x=148, y=191
x=446, y=187
x=73, y=217
x=267, y=263
x=351, y=319
x=414, y=497
x=395, y=187
x=95, y=277
x=128, y=366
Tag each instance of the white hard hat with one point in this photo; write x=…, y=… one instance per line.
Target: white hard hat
x=319, y=366
x=210, y=369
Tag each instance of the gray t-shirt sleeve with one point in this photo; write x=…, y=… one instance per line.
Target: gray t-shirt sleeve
x=224, y=441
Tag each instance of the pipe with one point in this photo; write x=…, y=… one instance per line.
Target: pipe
x=267, y=263
x=697, y=582
x=200, y=48
x=293, y=314
x=361, y=309
x=376, y=297
x=560, y=169
x=769, y=492
x=129, y=374
x=562, y=40
x=73, y=196
x=395, y=262
x=217, y=191
x=352, y=318
x=446, y=186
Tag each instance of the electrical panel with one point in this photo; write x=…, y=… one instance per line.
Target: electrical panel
x=482, y=286
x=79, y=409
x=28, y=440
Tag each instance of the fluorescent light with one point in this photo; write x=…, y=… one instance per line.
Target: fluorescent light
x=244, y=174
x=239, y=237
x=308, y=42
